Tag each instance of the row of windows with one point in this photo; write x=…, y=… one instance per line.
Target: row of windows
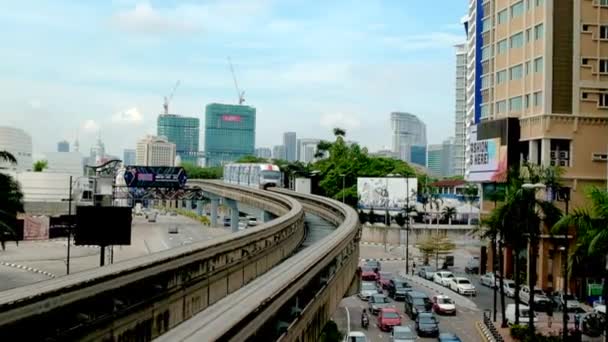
x=516, y=103
x=516, y=72
x=516, y=10
x=602, y=63
x=602, y=99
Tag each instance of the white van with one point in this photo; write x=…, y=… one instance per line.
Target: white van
x=524, y=314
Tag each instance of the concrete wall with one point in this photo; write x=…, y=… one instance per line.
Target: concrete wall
x=396, y=236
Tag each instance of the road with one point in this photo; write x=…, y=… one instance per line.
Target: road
x=34, y=261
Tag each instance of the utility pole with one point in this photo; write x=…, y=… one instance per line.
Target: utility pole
x=67, y=262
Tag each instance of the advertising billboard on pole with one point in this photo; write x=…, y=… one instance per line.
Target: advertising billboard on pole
x=155, y=177
x=385, y=193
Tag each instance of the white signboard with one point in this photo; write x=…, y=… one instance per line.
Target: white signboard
x=386, y=193
x=485, y=158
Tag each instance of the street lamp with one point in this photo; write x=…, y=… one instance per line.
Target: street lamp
x=564, y=251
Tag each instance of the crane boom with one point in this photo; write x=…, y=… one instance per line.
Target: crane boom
x=170, y=97
x=240, y=94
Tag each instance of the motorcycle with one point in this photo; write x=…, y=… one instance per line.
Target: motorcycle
x=364, y=321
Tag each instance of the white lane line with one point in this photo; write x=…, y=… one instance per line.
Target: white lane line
x=347, y=321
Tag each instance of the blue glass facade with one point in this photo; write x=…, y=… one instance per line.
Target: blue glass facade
x=183, y=132
x=229, y=133
x=418, y=155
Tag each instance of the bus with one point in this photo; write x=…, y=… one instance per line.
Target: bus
x=261, y=176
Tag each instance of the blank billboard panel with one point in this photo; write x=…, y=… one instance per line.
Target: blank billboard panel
x=103, y=226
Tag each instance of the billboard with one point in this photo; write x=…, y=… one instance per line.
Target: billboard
x=231, y=118
x=103, y=226
x=36, y=228
x=486, y=158
x=155, y=177
x=385, y=193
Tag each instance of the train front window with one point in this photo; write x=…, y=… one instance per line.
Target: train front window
x=271, y=174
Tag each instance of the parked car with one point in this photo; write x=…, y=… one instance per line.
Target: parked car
x=416, y=302
x=388, y=318
x=242, y=225
x=377, y=302
x=374, y=264
x=448, y=337
x=569, y=302
x=368, y=289
x=524, y=314
x=490, y=280
x=368, y=273
x=397, y=288
x=356, y=336
x=403, y=334
x=472, y=266
x=443, y=305
x=427, y=325
x=383, y=279
x=443, y=277
x=429, y=272
x=226, y=221
x=541, y=301
x=509, y=287
x=252, y=221
x=422, y=271
x=463, y=286
x=173, y=230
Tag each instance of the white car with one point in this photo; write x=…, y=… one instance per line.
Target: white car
x=356, y=336
x=368, y=289
x=443, y=305
x=524, y=314
x=509, y=287
x=540, y=299
x=463, y=286
x=490, y=280
x=443, y=277
x=572, y=303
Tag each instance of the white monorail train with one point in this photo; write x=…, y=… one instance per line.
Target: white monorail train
x=259, y=176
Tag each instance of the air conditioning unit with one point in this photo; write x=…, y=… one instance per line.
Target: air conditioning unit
x=599, y=157
x=553, y=162
x=563, y=154
x=563, y=163
x=553, y=155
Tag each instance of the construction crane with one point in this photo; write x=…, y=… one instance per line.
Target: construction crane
x=240, y=94
x=169, y=98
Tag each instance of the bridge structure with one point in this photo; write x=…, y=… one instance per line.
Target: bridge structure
x=256, y=284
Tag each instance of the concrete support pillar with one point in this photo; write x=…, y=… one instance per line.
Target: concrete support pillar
x=234, y=214
x=189, y=205
x=545, y=152
x=266, y=216
x=533, y=151
x=215, y=202
x=199, y=208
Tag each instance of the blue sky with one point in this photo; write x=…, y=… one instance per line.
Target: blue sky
x=71, y=68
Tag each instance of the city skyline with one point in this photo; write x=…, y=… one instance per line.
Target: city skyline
x=115, y=85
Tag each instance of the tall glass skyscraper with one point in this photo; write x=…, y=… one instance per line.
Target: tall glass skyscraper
x=229, y=133
x=183, y=132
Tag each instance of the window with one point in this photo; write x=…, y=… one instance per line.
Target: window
x=539, y=2
x=516, y=40
x=559, y=152
x=486, y=24
x=603, y=32
x=517, y=9
x=585, y=61
x=538, y=64
x=584, y=95
x=485, y=82
x=484, y=110
x=537, y=98
x=603, y=65
x=527, y=101
x=501, y=106
x=501, y=47
x=527, y=67
x=502, y=17
x=501, y=76
x=539, y=31
x=528, y=4
x=515, y=104
x=486, y=52
x=515, y=72
x=528, y=32
x=603, y=100
x=603, y=2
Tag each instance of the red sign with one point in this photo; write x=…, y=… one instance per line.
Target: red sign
x=231, y=118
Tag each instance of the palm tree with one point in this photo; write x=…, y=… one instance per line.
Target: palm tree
x=591, y=226
x=448, y=213
x=470, y=193
x=339, y=132
x=7, y=157
x=11, y=202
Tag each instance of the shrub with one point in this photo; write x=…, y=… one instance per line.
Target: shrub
x=519, y=331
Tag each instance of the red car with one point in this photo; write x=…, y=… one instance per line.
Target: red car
x=384, y=278
x=368, y=274
x=388, y=318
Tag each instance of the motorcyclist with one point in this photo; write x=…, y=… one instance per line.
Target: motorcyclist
x=364, y=318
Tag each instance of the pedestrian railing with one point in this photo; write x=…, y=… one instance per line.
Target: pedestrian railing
x=487, y=321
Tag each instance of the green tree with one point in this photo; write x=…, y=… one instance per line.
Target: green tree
x=11, y=202
x=448, y=213
x=197, y=172
x=591, y=226
x=435, y=246
x=7, y=157
x=40, y=165
x=331, y=333
x=339, y=132
x=252, y=159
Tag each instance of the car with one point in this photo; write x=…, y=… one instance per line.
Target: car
x=472, y=266
x=509, y=287
x=569, y=302
x=443, y=305
x=368, y=289
x=448, y=337
x=462, y=286
x=374, y=264
x=403, y=334
x=388, y=318
x=443, y=277
x=524, y=314
x=377, y=302
x=368, y=273
x=541, y=301
x=383, y=279
x=226, y=221
x=490, y=280
x=427, y=325
x=252, y=221
x=173, y=230
x=242, y=225
x=356, y=336
x=416, y=302
x=397, y=288
x=427, y=272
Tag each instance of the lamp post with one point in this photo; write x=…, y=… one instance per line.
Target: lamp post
x=564, y=251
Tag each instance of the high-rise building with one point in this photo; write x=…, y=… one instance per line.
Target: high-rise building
x=407, y=131
x=290, y=143
x=307, y=148
x=417, y=155
x=229, y=133
x=155, y=151
x=18, y=143
x=460, y=110
x=183, y=132
x=129, y=156
x=97, y=152
x=278, y=152
x=263, y=152
x=63, y=146
x=435, y=157
x=447, y=158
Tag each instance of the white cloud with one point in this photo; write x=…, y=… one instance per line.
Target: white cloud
x=342, y=120
x=131, y=115
x=90, y=126
x=432, y=40
x=146, y=19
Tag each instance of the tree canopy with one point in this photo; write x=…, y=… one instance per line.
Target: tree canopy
x=197, y=172
x=40, y=165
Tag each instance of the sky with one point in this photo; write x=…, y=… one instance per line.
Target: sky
x=79, y=69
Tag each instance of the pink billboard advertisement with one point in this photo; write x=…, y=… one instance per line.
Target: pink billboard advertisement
x=36, y=228
x=231, y=118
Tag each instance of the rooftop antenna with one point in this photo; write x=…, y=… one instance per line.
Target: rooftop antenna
x=169, y=98
x=240, y=94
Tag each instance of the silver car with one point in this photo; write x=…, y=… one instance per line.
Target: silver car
x=403, y=334
x=378, y=302
x=368, y=289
